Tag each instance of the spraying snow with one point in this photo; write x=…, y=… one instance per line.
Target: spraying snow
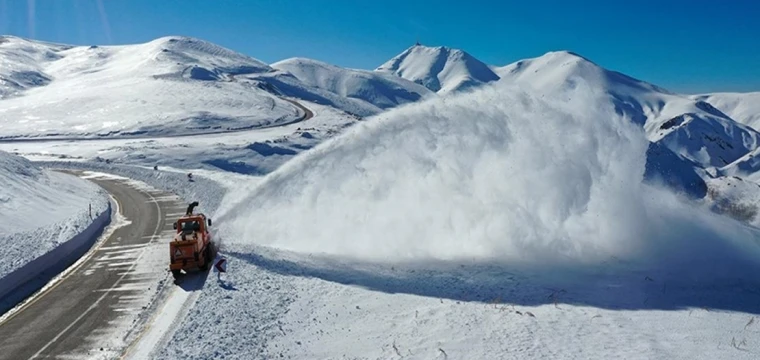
x=691, y=128
x=494, y=175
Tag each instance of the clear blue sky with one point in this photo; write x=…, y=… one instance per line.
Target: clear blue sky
x=689, y=46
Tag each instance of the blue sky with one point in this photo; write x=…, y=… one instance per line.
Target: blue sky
x=688, y=46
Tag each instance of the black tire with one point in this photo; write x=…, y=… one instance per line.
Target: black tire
x=208, y=259
x=213, y=250
x=176, y=273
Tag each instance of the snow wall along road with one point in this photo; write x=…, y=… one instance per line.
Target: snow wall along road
x=497, y=175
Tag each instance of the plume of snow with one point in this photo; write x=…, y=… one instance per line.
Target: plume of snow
x=495, y=175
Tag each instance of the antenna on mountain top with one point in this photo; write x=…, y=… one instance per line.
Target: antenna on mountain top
x=418, y=42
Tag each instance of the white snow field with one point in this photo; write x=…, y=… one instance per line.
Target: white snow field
x=689, y=127
x=496, y=224
x=169, y=86
x=379, y=89
x=742, y=107
x=249, y=152
x=513, y=222
x=40, y=210
x=440, y=69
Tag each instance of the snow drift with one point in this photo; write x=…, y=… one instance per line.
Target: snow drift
x=41, y=210
x=496, y=175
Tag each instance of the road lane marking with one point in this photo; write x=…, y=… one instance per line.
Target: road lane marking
x=57, y=280
x=116, y=284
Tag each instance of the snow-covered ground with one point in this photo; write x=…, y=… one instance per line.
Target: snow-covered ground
x=169, y=86
x=266, y=308
x=248, y=152
x=736, y=197
x=421, y=235
x=490, y=225
x=41, y=209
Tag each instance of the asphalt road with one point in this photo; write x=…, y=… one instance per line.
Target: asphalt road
x=62, y=321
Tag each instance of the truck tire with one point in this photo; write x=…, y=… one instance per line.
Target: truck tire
x=206, y=259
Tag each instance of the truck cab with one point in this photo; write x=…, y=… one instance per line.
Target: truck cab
x=192, y=247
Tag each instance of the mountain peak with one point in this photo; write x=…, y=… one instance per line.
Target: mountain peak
x=563, y=68
x=440, y=68
x=567, y=54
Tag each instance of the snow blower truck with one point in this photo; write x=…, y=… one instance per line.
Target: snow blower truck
x=192, y=247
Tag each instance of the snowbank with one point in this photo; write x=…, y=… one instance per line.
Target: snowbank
x=208, y=192
x=24, y=280
x=494, y=176
x=45, y=215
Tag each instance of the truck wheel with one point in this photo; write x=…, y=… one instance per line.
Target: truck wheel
x=176, y=273
x=212, y=251
x=206, y=259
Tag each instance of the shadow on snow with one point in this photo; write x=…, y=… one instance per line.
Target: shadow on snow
x=609, y=286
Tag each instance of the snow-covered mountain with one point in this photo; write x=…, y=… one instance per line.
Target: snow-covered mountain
x=495, y=213
x=691, y=128
x=742, y=107
x=379, y=89
x=180, y=85
x=440, y=69
x=172, y=85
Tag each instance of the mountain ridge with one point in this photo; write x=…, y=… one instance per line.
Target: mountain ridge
x=440, y=69
x=696, y=131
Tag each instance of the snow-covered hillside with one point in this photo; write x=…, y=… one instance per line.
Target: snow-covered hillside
x=511, y=222
x=248, y=152
x=691, y=128
x=382, y=90
x=40, y=209
x=735, y=197
x=742, y=107
x=437, y=230
x=440, y=69
x=172, y=85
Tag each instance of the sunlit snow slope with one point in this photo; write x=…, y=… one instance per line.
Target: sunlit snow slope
x=440, y=69
x=494, y=175
x=382, y=90
x=742, y=107
x=690, y=128
x=172, y=85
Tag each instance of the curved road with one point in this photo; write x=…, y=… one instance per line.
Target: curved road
x=97, y=307
x=307, y=114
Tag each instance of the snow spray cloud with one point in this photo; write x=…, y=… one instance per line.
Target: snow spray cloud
x=495, y=174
